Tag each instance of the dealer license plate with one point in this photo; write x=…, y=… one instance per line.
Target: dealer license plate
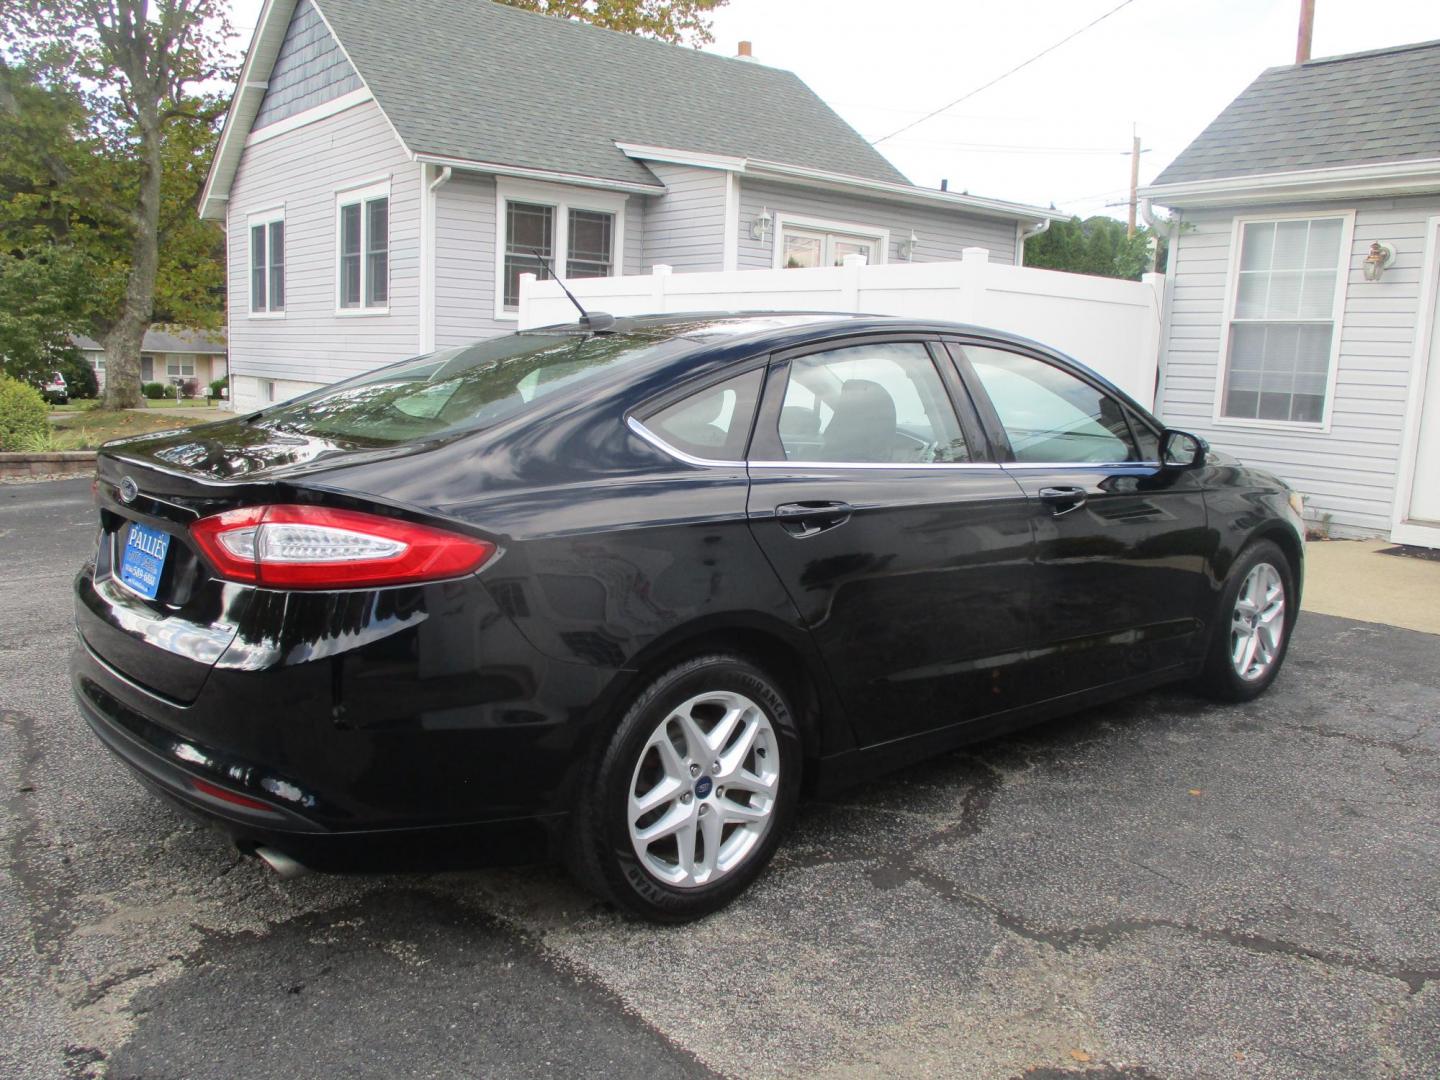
x=143, y=560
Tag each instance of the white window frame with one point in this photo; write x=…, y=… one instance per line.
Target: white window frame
x=362, y=194
x=881, y=237
x=265, y=218
x=1232, y=288
x=562, y=199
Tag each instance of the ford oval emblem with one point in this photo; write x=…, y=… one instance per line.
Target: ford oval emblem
x=128, y=490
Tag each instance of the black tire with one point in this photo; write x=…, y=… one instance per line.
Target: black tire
x=601, y=855
x=1219, y=679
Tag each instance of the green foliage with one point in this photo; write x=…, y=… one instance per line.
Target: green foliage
x=24, y=417
x=679, y=22
x=80, y=381
x=154, y=390
x=1097, y=245
x=219, y=385
x=106, y=130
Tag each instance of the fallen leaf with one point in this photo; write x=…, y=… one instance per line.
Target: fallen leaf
x=1079, y=1055
x=1197, y=791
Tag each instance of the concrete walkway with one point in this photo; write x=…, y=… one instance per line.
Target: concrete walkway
x=1350, y=578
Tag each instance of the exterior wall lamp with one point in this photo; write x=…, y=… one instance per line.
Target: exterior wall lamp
x=906, y=247
x=1379, y=260
x=760, y=227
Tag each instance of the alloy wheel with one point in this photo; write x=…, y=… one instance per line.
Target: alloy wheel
x=1257, y=625
x=702, y=794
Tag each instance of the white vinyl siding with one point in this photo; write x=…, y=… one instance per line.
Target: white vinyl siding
x=685, y=227
x=302, y=170
x=1347, y=473
x=942, y=234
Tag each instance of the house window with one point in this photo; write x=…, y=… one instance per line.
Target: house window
x=267, y=263
x=1282, y=333
x=806, y=243
x=578, y=233
x=529, y=245
x=180, y=367
x=363, y=230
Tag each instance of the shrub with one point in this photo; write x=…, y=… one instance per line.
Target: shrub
x=217, y=386
x=23, y=415
x=189, y=388
x=154, y=390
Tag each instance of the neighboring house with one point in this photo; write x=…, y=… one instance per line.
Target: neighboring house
x=1282, y=343
x=388, y=171
x=166, y=355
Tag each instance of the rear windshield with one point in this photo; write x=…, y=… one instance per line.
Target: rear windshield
x=459, y=389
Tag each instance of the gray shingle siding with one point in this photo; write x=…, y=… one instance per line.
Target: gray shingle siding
x=943, y=233
x=1347, y=473
x=480, y=81
x=310, y=70
x=1351, y=110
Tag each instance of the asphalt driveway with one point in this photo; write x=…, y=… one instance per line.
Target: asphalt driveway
x=1162, y=888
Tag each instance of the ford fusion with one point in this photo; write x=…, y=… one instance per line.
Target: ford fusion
x=617, y=591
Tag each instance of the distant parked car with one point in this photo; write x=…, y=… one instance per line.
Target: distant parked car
x=613, y=589
x=56, y=391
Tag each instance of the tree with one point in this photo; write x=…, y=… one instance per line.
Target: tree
x=1097, y=245
x=105, y=101
x=679, y=22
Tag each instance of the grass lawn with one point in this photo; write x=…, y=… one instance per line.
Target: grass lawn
x=171, y=403
x=93, y=427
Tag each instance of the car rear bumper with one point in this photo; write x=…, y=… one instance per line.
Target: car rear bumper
x=181, y=772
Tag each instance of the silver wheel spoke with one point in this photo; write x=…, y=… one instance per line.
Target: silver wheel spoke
x=1257, y=623
x=695, y=814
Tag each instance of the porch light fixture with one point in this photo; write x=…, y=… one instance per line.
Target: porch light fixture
x=760, y=227
x=906, y=247
x=1379, y=260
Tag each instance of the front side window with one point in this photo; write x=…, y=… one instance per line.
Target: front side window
x=806, y=247
x=876, y=403
x=713, y=423
x=1282, y=327
x=267, y=266
x=1049, y=415
x=364, y=250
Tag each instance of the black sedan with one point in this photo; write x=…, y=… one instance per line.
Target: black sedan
x=617, y=595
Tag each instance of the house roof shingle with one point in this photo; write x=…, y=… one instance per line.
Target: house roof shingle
x=438, y=68
x=1363, y=108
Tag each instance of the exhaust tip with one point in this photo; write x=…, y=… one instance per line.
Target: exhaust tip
x=281, y=863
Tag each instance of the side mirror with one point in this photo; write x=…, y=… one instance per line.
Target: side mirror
x=1181, y=450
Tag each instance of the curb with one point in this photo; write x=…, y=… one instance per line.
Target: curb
x=60, y=463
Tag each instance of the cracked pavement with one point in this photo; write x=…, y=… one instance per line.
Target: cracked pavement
x=1156, y=890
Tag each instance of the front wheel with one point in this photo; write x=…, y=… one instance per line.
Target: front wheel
x=688, y=800
x=1252, y=632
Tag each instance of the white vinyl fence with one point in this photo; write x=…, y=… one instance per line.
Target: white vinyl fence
x=1110, y=325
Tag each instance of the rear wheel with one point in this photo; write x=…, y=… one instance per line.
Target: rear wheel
x=1252, y=632
x=688, y=800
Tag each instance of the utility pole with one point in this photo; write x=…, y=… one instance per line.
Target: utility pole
x=1307, y=31
x=1134, y=177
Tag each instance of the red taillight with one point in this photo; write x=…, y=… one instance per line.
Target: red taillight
x=314, y=547
x=225, y=795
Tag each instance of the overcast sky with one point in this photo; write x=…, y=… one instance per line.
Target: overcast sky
x=1058, y=131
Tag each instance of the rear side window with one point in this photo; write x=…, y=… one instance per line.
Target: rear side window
x=866, y=404
x=713, y=423
x=1049, y=415
x=461, y=389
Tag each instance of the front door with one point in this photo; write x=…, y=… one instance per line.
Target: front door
x=1419, y=519
x=1121, y=544
x=905, y=549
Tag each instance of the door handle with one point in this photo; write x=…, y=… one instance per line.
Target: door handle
x=804, y=519
x=1062, y=500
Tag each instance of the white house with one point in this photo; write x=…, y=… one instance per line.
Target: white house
x=1300, y=330
x=167, y=354
x=388, y=171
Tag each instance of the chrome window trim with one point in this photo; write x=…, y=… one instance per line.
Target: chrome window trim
x=1011, y=465
x=679, y=455
x=892, y=465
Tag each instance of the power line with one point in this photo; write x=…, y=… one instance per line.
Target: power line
x=1007, y=74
